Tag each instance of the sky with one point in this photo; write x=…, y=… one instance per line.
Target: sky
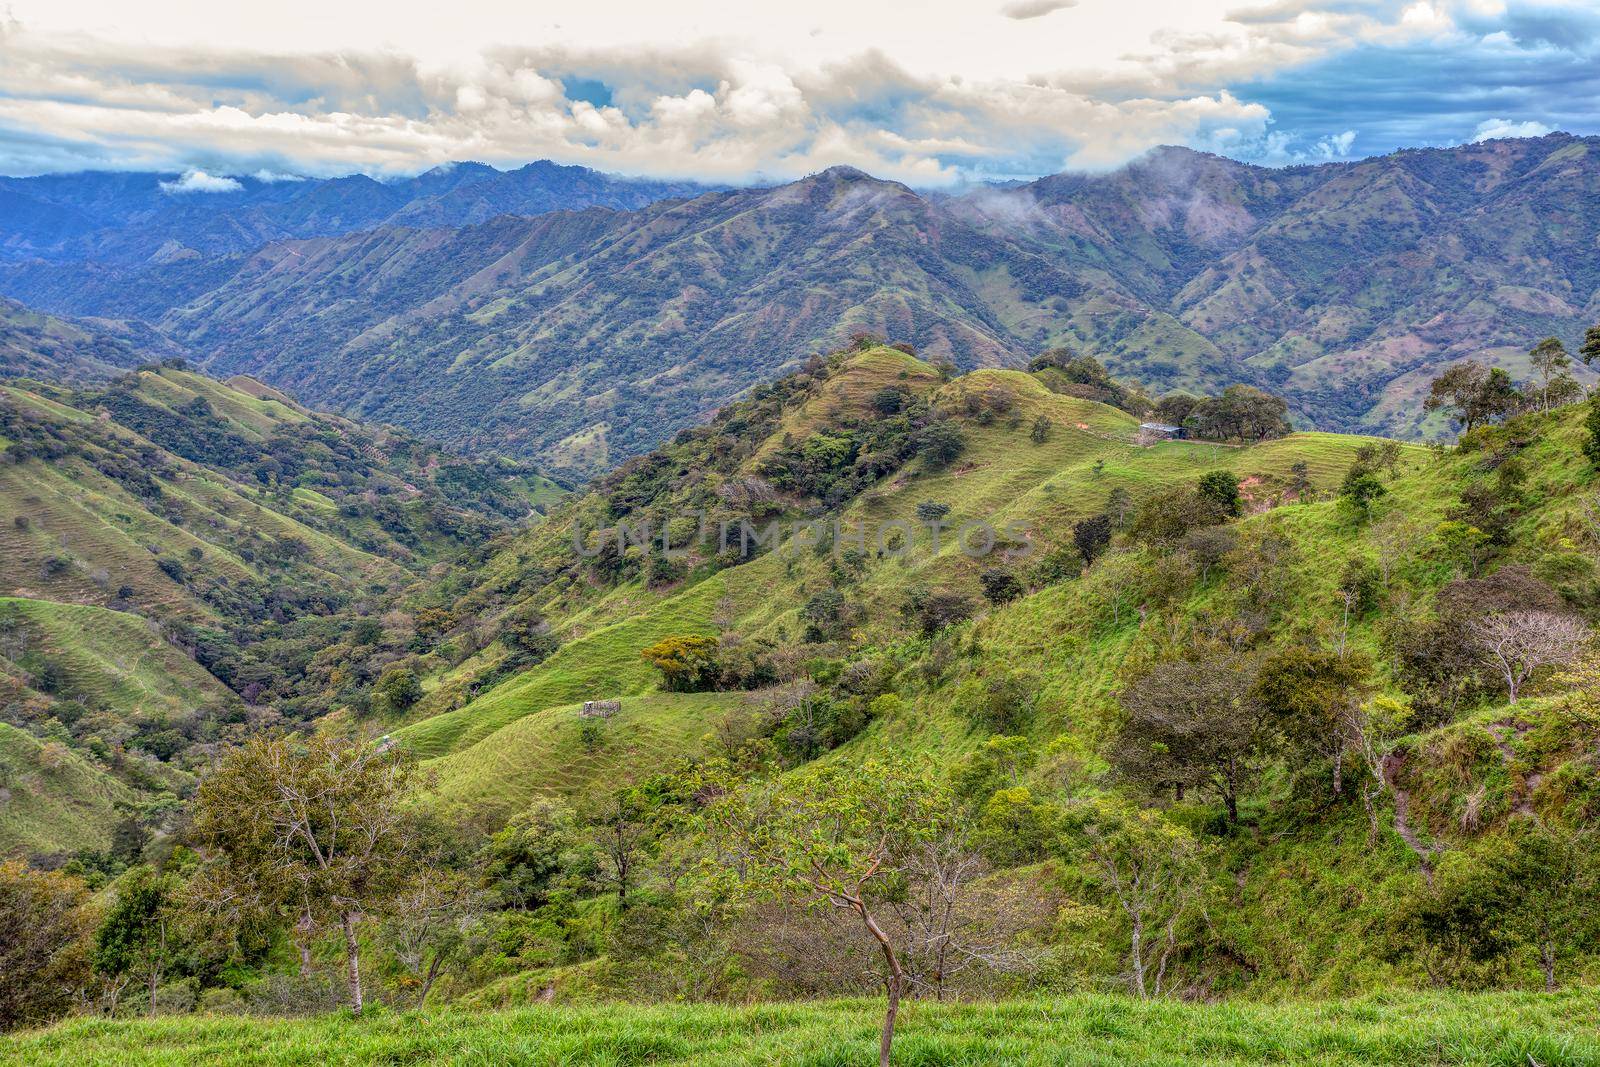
x=931, y=93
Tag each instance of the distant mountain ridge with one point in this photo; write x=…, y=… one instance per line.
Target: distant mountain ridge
x=585, y=335
x=130, y=218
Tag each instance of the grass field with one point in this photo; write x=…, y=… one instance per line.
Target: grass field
x=1503, y=1030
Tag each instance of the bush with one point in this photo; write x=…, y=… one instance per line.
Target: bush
x=687, y=664
x=999, y=585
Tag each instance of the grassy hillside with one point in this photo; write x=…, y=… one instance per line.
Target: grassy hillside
x=1504, y=1030
x=1002, y=477
x=53, y=800
x=1308, y=893
x=183, y=553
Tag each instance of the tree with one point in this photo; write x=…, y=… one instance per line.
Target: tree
x=1091, y=536
x=1591, y=425
x=847, y=837
x=1591, y=345
x=1221, y=488
x=429, y=924
x=46, y=923
x=1475, y=394
x=1359, y=491
x=1241, y=413
x=1519, y=643
x=999, y=585
x=1549, y=357
x=1313, y=699
x=314, y=828
x=1153, y=872
x=137, y=935
x=688, y=664
x=396, y=690
x=1194, y=722
x=933, y=610
x=1041, y=430
x=621, y=831
x=526, y=858
x=940, y=444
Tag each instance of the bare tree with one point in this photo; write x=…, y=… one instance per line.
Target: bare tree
x=1153, y=872
x=950, y=921
x=430, y=923
x=1521, y=642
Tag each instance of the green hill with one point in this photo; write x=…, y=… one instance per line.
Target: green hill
x=1319, y=883
x=183, y=553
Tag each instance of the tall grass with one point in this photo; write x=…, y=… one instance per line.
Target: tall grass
x=1489, y=1029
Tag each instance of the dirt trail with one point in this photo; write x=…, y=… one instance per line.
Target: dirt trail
x=1391, y=768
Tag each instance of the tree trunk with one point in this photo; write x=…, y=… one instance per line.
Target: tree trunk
x=352, y=956
x=894, y=984
x=302, y=934
x=1136, y=956
x=1547, y=963
x=427, y=982
x=1338, y=772
x=1233, y=807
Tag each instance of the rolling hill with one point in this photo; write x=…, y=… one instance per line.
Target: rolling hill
x=584, y=337
x=811, y=635
x=179, y=553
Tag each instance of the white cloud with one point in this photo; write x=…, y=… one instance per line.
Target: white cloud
x=702, y=88
x=1032, y=9
x=198, y=181
x=1490, y=129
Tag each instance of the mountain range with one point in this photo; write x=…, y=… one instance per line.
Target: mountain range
x=580, y=319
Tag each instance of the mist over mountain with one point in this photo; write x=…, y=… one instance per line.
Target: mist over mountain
x=579, y=319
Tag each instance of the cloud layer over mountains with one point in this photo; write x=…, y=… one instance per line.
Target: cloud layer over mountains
x=707, y=91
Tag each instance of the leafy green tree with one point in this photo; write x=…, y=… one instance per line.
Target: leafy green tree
x=999, y=585
x=688, y=664
x=1091, y=536
x=1591, y=345
x=935, y=609
x=526, y=861
x=1475, y=394
x=847, y=836
x=1591, y=425
x=1358, y=492
x=1222, y=489
x=396, y=689
x=312, y=827
x=1194, y=722
x=940, y=444
x=138, y=936
x=1312, y=699
x=1549, y=358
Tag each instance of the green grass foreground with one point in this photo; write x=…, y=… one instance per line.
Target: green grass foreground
x=1510, y=1029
